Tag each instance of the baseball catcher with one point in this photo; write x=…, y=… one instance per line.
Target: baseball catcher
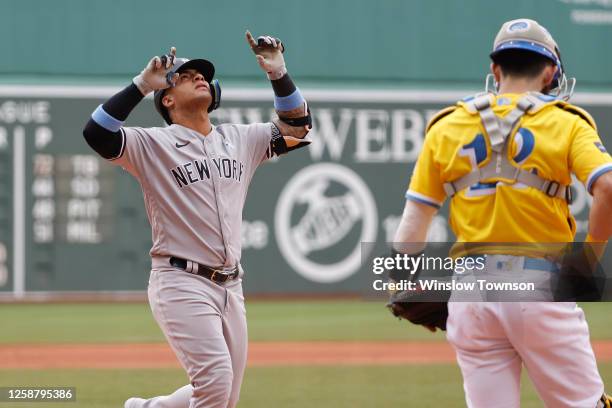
x=504, y=159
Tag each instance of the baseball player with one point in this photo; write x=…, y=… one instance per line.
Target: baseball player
x=505, y=159
x=194, y=177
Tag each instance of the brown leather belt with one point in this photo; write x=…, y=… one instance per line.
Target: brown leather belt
x=215, y=275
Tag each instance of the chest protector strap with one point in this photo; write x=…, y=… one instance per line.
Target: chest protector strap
x=499, y=168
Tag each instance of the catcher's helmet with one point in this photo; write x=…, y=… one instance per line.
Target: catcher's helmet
x=529, y=35
x=204, y=67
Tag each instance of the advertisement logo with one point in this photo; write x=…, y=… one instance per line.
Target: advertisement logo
x=323, y=214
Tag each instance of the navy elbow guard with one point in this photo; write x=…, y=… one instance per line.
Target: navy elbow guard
x=299, y=122
x=279, y=145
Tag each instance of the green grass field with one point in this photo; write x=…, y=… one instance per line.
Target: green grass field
x=268, y=321
x=296, y=387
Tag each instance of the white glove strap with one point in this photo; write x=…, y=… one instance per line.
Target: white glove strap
x=272, y=76
x=142, y=85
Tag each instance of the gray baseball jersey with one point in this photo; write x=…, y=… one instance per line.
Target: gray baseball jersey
x=195, y=186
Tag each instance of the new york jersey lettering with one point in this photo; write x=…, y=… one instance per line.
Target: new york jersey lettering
x=198, y=170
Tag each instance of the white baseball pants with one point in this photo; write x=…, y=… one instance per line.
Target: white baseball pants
x=493, y=340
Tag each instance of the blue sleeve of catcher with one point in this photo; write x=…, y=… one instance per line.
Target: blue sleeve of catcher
x=289, y=102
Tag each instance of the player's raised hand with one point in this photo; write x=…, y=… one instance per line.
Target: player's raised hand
x=269, y=53
x=157, y=74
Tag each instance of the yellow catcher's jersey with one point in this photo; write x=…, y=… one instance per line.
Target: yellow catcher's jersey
x=554, y=141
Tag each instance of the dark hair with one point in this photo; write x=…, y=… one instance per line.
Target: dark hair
x=521, y=63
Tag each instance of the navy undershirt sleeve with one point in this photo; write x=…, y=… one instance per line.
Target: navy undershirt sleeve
x=105, y=142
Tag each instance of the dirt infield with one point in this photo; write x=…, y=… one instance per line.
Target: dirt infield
x=260, y=354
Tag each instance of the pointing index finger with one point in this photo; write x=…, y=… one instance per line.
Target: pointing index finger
x=251, y=40
x=172, y=57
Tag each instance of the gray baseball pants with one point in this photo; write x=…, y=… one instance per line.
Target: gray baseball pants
x=205, y=325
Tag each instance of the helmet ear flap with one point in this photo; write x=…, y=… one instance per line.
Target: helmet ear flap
x=560, y=73
x=215, y=93
x=491, y=85
x=562, y=86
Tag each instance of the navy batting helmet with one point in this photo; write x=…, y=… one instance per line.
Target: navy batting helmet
x=204, y=67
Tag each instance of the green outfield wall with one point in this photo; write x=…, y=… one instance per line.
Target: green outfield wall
x=370, y=43
x=69, y=221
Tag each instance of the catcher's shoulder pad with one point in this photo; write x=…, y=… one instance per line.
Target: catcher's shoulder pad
x=568, y=107
x=464, y=104
x=467, y=103
x=548, y=100
x=439, y=115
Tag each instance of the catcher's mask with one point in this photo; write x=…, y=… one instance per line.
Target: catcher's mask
x=529, y=35
x=204, y=67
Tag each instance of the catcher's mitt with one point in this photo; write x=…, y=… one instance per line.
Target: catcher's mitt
x=605, y=401
x=409, y=305
x=418, y=306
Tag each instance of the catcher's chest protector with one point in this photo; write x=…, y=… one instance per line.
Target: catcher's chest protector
x=499, y=131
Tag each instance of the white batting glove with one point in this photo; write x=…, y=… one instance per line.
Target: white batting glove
x=154, y=75
x=269, y=54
